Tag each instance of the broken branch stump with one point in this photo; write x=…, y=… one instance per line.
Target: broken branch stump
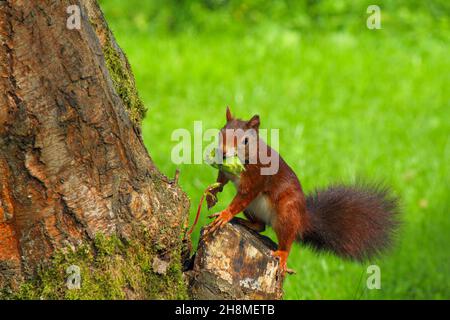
x=235, y=263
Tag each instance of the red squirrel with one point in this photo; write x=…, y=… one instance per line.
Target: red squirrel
x=355, y=222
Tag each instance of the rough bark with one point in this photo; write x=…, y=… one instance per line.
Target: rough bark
x=72, y=161
x=235, y=263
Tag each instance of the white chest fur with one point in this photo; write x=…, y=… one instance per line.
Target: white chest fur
x=260, y=207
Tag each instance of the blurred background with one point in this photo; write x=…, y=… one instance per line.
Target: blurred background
x=349, y=102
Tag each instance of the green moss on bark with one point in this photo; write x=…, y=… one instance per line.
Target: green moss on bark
x=111, y=268
x=123, y=82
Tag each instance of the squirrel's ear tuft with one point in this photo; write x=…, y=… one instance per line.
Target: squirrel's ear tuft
x=229, y=116
x=253, y=122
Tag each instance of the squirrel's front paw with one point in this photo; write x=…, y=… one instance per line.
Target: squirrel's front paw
x=221, y=219
x=211, y=194
x=211, y=200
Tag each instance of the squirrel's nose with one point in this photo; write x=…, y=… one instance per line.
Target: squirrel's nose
x=223, y=151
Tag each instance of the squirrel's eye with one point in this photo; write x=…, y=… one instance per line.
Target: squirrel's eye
x=245, y=140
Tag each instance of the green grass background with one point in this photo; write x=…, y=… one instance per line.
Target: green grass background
x=349, y=102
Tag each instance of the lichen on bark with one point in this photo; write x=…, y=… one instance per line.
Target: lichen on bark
x=110, y=268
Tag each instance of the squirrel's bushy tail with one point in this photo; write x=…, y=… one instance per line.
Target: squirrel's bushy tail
x=355, y=222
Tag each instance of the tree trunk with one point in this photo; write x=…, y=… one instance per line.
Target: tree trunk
x=72, y=161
